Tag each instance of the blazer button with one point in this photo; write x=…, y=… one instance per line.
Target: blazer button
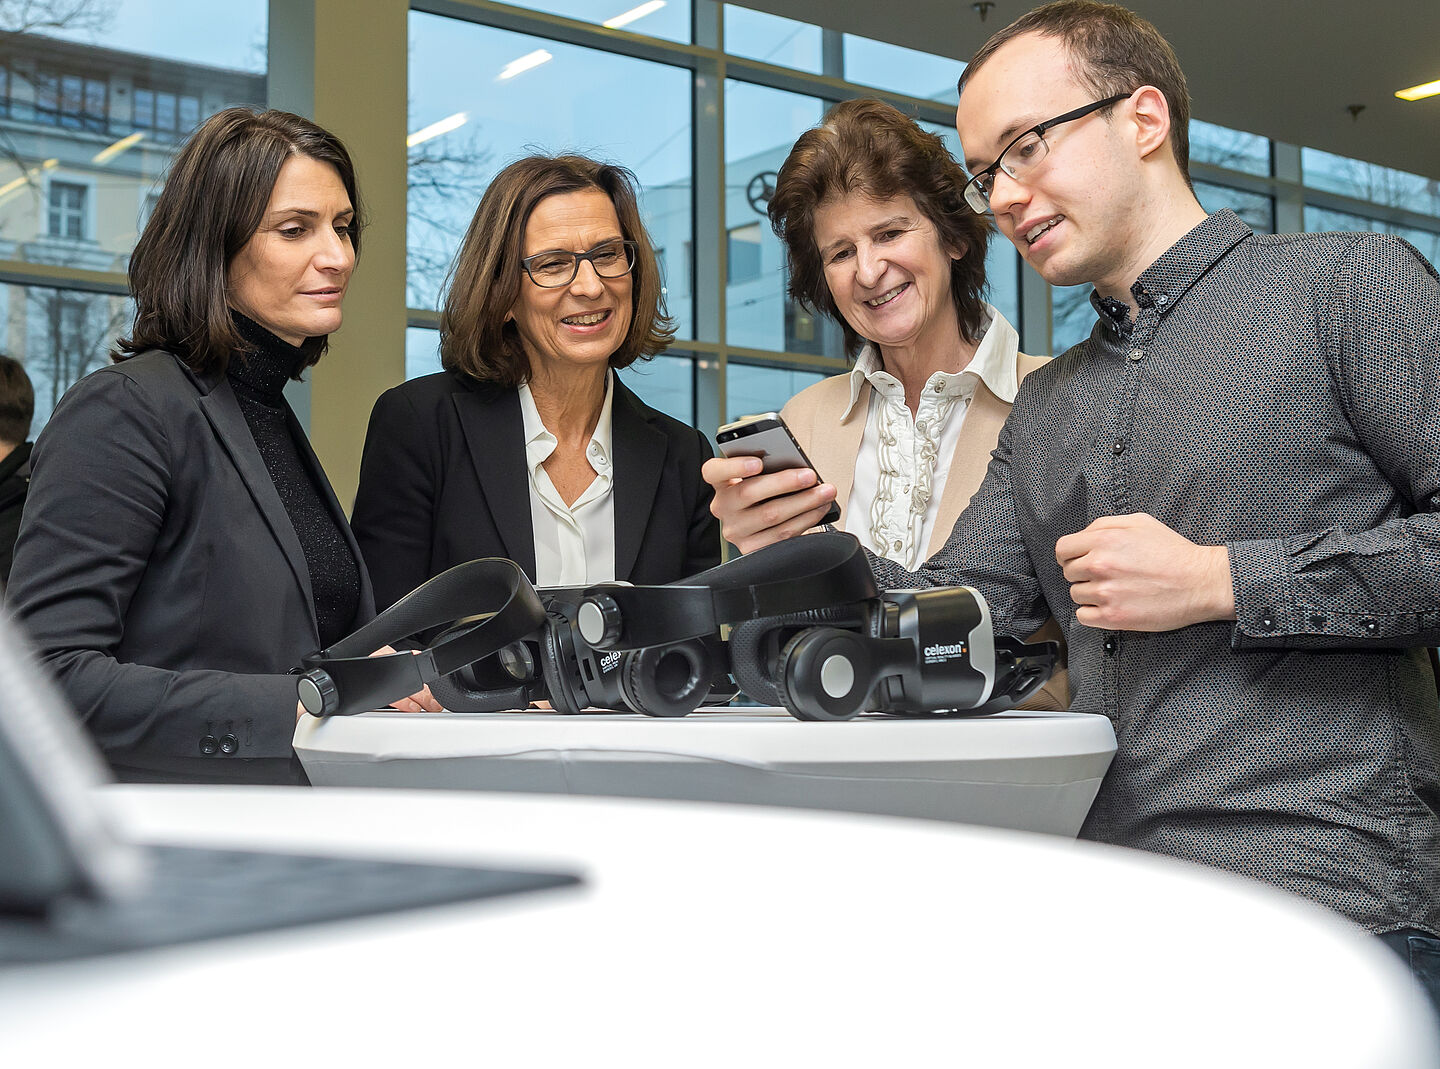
x=1371, y=626
x=208, y=745
x=229, y=744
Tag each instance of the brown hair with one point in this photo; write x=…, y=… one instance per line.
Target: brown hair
x=869, y=147
x=17, y=401
x=484, y=284
x=1114, y=51
x=213, y=203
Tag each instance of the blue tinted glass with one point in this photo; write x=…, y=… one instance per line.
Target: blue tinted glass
x=67, y=334
x=901, y=70
x=1369, y=181
x=457, y=80
x=750, y=388
x=1223, y=147
x=1071, y=316
x=1427, y=241
x=772, y=39
x=667, y=383
x=668, y=19
x=422, y=351
x=1256, y=209
x=760, y=127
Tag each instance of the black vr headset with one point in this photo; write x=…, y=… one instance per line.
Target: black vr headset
x=823, y=642
x=810, y=631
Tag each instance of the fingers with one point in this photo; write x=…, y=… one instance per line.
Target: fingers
x=759, y=509
x=721, y=471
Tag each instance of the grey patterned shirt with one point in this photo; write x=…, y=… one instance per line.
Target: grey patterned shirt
x=1279, y=395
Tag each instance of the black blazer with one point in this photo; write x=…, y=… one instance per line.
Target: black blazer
x=161, y=578
x=444, y=480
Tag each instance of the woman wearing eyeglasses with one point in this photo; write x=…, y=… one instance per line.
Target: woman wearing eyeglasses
x=527, y=445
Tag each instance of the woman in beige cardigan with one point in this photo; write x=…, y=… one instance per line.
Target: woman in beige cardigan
x=878, y=238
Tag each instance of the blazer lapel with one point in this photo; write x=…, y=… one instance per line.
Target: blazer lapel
x=495, y=435
x=639, y=460
x=972, y=455
x=223, y=411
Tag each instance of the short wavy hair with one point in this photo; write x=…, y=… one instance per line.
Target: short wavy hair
x=213, y=202
x=871, y=148
x=484, y=283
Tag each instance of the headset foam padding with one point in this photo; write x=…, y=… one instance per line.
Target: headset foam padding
x=824, y=673
x=667, y=680
x=748, y=661
x=556, y=669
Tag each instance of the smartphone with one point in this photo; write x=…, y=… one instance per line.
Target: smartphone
x=766, y=436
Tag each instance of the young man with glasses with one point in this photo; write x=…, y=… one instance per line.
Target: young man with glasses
x=1226, y=494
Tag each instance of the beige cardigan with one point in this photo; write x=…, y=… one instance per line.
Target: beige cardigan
x=831, y=439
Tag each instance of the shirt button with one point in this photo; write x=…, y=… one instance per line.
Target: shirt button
x=897, y=545
x=1118, y=447
x=920, y=426
x=1370, y=626
x=1109, y=645
x=1267, y=619
x=1136, y=355
x=208, y=744
x=1319, y=619
x=1162, y=299
x=939, y=387
x=594, y=449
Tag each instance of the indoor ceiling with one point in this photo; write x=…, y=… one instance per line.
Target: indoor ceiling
x=1289, y=69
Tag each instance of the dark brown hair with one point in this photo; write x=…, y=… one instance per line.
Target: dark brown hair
x=485, y=281
x=1114, y=51
x=213, y=203
x=17, y=401
x=871, y=148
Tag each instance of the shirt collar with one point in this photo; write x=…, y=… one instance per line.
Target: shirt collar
x=1165, y=281
x=993, y=362
x=540, y=443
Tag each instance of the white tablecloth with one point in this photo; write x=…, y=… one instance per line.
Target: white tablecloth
x=1028, y=770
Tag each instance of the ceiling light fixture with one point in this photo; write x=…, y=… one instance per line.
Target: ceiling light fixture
x=634, y=14
x=526, y=62
x=1419, y=92
x=435, y=129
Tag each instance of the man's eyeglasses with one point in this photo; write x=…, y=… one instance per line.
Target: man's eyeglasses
x=555, y=268
x=1022, y=154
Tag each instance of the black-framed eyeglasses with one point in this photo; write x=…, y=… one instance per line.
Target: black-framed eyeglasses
x=556, y=267
x=1022, y=154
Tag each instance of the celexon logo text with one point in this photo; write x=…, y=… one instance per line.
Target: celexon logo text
x=609, y=661
x=940, y=652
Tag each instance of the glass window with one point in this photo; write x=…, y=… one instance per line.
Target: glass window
x=1234, y=149
x=1369, y=181
x=67, y=210
x=1072, y=316
x=1321, y=219
x=760, y=127
x=665, y=382
x=752, y=388
x=742, y=252
x=901, y=70
x=422, y=352
x=468, y=120
x=64, y=334
x=1256, y=209
x=667, y=19
x=116, y=69
x=773, y=39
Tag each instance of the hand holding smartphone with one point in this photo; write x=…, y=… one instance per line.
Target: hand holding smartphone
x=766, y=436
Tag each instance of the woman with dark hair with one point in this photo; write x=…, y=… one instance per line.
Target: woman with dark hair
x=879, y=238
x=528, y=445
x=181, y=548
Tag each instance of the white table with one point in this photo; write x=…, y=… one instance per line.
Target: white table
x=1027, y=770
x=728, y=936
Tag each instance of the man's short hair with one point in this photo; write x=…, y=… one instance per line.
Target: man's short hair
x=17, y=401
x=1114, y=51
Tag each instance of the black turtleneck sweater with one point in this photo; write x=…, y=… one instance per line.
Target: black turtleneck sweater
x=258, y=377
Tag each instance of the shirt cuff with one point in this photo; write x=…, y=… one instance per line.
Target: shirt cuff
x=1264, y=599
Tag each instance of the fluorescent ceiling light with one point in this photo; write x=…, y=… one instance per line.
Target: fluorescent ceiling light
x=435, y=129
x=525, y=63
x=634, y=14
x=105, y=155
x=13, y=186
x=1419, y=92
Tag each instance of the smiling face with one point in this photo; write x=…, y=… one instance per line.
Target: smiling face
x=584, y=323
x=1079, y=215
x=886, y=269
x=290, y=277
